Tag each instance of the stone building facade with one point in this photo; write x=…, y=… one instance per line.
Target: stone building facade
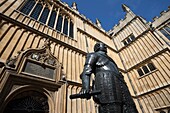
x=43, y=45
x=143, y=48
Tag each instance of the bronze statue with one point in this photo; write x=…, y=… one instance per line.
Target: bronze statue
x=114, y=96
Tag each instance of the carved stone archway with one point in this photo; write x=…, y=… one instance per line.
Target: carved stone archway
x=38, y=69
x=28, y=102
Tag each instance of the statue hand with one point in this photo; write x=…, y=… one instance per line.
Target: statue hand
x=85, y=93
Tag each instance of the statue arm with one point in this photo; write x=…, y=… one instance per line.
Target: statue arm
x=87, y=71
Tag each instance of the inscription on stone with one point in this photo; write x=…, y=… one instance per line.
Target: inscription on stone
x=39, y=70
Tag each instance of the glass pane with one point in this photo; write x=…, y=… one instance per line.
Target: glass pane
x=36, y=11
x=52, y=19
x=165, y=33
x=145, y=69
x=59, y=23
x=151, y=66
x=71, y=30
x=132, y=37
x=167, y=29
x=168, y=25
x=65, y=31
x=28, y=6
x=124, y=42
x=128, y=40
x=140, y=72
x=44, y=15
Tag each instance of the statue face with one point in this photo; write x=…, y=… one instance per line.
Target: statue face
x=100, y=47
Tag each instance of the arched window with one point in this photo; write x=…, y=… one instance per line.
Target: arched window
x=59, y=23
x=64, y=25
x=65, y=30
x=36, y=11
x=71, y=30
x=44, y=15
x=27, y=6
x=52, y=19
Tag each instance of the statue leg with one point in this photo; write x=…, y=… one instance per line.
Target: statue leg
x=129, y=105
x=110, y=108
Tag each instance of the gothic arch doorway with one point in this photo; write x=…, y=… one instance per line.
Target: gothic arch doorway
x=28, y=102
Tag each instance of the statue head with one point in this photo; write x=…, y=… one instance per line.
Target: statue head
x=99, y=46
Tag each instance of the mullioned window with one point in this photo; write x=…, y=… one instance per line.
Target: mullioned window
x=40, y=12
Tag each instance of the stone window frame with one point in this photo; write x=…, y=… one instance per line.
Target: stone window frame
x=26, y=10
x=36, y=12
x=52, y=18
x=145, y=69
x=129, y=39
x=165, y=30
x=44, y=15
x=59, y=11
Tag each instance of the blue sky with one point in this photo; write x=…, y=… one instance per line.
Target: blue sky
x=109, y=12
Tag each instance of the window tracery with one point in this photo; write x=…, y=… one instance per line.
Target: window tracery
x=40, y=11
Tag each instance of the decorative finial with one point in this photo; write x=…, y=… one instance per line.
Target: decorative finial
x=125, y=8
x=98, y=23
x=74, y=5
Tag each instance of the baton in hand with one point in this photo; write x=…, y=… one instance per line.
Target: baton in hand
x=92, y=93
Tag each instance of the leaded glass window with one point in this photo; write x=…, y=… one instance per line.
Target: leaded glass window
x=27, y=6
x=44, y=15
x=147, y=68
x=151, y=66
x=166, y=31
x=59, y=23
x=36, y=11
x=129, y=39
x=140, y=72
x=125, y=43
x=52, y=19
x=71, y=30
x=65, y=30
x=132, y=37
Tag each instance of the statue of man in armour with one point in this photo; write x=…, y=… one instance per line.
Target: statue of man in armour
x=115, y=96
